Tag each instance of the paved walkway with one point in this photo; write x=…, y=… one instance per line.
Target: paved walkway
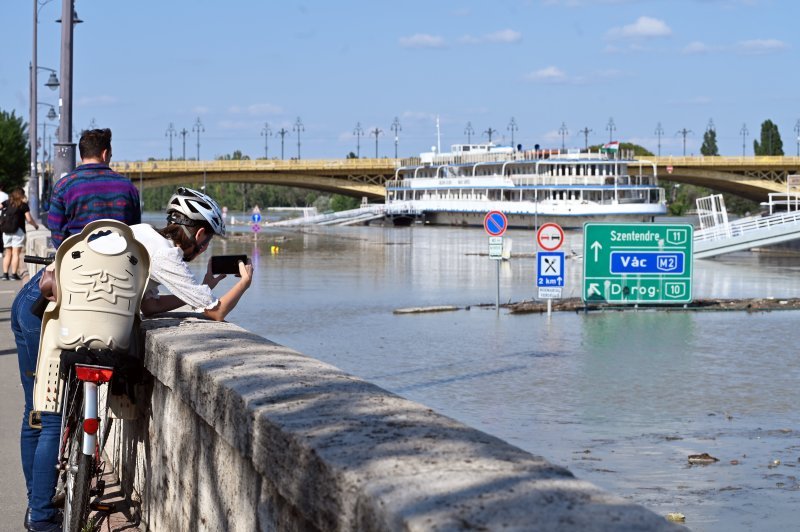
x=13, y=499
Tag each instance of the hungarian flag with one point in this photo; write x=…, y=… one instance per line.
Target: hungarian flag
x=611, y=146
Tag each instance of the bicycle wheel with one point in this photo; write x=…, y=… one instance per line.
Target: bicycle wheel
x=78, y=483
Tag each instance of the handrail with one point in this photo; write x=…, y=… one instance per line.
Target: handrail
x=744, y=226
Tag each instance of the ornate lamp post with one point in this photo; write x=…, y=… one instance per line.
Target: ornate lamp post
x=512, y=127
x=376, y=132
x=183, y=133
x=298, y=126
x=490, y=132
x=468, y=131
x=283, y=132
x=266, y=132
x=611, y=128
x=198, y=127
x=684, y=132
x=743, y=132
x=585, y=131
x=563, y=131
x=170, y=133
x=659, y=134
x=397, y=129
x=358, y=132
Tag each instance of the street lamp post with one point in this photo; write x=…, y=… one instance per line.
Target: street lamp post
x=198, y=127
x=65, y=148
x=468, y=131
x=659, y=134
x=298, y=126
x=563, y=131
x=266, y=132
x=170, y=133
x=684, y=132
x=283, y=132
x=611, y=127
x=490, y=132
x=52, y=83
x=376, y=132
x=183, y=134
x=585, y=131
x=397, y=129
x=358, y=132
x=512, y=127
x=797, y=134
x=743, y=132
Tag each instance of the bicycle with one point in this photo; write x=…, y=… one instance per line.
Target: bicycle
x=86, y=335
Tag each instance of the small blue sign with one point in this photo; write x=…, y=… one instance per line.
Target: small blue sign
x=647, y=262
x=495, y=223
x=550, y=270
x=255, y=218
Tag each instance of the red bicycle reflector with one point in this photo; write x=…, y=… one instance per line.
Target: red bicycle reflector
x=98, y=375
x=90, y=425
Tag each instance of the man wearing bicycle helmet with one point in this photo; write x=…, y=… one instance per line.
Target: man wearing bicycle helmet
x=192, y=221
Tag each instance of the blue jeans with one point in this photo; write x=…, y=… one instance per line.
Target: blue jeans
x=38, y=448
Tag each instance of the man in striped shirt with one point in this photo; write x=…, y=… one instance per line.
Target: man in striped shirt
x=91, y=192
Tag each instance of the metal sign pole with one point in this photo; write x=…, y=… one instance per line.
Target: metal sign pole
x=497, y=299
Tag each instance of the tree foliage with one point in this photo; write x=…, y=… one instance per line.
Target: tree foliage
x=15, y=152
x=770, y=142
x=709, y=147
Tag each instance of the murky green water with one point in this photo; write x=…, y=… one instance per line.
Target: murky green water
x=621, y=399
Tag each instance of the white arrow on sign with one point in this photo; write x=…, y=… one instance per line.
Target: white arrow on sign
x=596, y=247
x=594, y=289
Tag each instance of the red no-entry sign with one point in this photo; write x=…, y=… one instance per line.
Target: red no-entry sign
x=550, y=237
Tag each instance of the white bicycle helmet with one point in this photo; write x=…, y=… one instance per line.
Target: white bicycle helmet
x=196, y=206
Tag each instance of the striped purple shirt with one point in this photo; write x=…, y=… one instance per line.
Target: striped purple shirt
x=91, y=192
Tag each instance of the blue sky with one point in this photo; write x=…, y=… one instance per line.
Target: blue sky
x=237, y=65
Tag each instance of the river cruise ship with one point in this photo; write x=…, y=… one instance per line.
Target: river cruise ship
x=568, y=187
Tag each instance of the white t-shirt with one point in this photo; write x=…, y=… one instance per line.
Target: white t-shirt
x=168, y=268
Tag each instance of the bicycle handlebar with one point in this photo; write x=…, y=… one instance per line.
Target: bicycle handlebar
x=33, y=259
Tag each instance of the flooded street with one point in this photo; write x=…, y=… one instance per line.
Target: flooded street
x=620, y=398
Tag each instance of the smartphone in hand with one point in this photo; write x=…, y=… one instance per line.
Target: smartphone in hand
x=228, y=264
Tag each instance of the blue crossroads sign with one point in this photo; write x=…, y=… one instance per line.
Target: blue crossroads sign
x=550, y=270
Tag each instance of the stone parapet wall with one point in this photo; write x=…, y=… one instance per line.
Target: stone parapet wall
x=238, y=433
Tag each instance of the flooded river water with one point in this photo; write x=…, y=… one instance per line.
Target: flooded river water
x=620, y=398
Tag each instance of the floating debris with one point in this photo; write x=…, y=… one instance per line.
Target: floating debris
x=676, y=517
x=775, y=463
x=704, y=458
x=418, y=310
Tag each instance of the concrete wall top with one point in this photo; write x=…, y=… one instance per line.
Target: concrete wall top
x=348, y=455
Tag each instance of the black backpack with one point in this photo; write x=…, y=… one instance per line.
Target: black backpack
x=8, y=219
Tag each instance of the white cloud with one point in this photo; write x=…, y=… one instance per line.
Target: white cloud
x=422, y=40
x=549, y=74
x=201, y=110
x=419, y=116
x=761, y=46
x=256, y=109
x=97, y=101
x=643, y=28
x=507, y=36
x=698, y=47
x=237, y=125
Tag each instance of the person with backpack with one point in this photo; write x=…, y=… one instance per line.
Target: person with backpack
x=15, y=213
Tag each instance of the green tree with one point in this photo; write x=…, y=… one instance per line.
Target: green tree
x=15, y=153
x=343, y=203
x=709, y=147
x=771, y=143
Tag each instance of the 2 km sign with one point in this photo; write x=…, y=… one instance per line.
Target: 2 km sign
x=637, y=263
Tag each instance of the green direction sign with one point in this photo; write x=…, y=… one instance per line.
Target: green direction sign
x=637, y=263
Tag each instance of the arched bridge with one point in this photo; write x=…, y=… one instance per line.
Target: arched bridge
x=351, y=177
x=750, y=177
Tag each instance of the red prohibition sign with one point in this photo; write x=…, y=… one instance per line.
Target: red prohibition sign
x=495, y=223
x=550, y=237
